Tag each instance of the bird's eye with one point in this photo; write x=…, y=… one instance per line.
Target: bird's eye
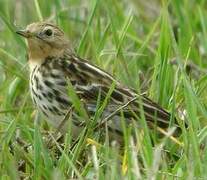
x=48, y=32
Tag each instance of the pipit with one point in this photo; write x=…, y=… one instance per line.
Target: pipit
x=53, y=65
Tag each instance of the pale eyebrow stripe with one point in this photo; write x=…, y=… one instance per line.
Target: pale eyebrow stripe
x=54, y=26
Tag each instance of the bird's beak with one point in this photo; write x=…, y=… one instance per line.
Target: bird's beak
x=24, y=33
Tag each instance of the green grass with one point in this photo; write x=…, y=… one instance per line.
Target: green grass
x=134, y=40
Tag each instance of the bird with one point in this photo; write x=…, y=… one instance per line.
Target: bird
x=54, y=66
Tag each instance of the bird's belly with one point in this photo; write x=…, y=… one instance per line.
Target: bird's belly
x=53, y=110
x=50, y=96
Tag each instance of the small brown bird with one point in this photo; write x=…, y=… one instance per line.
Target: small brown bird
x=53, y=64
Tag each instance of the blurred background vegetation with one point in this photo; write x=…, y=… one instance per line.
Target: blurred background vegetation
x=157, y=47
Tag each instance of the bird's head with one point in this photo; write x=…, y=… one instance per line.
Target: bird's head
x=44, y=39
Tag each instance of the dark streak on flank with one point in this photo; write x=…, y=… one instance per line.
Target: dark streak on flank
x=56, y=92
x=50, y=95
x=50, y=109
x=55, y=109
x=44, y=94
x=40, y=87
x=44, y=112
x=48, y=83
x=36, y=80
x=72, y=67
x=45, y=107
x=63, y=101
x=62, y=83
x=55, y=76
x=39, y=97
x=33, y=91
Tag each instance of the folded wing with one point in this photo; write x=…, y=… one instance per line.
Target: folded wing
x=90, y=81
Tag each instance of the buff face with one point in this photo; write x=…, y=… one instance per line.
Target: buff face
x=44, y=39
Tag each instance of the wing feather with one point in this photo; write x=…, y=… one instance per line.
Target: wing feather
x=90, y=80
